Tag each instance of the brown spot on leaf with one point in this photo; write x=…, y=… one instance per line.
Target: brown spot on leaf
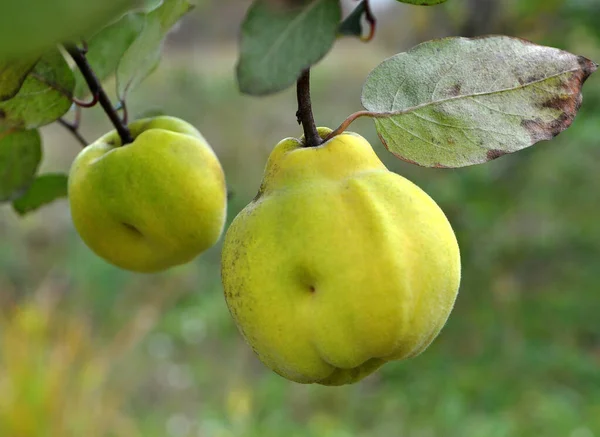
x=2, y=114
x=494, y=153
x=455, y=90
x=535, y=78
x=567, y=104
x=587, y=67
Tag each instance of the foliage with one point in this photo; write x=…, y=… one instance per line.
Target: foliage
x=447, y=111
x=38, y=90
x=518, y=358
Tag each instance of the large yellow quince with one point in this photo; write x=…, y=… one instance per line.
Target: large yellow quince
x=338, y=265
x=152, y=204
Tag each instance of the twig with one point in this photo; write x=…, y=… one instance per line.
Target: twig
x=74, y=129
x=95, y=86
x=125, y=116
x=83, y=104
x=305, y=114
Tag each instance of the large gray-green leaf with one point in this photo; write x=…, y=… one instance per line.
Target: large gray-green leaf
x=20, y=156
x=12, y=75
x=44, y=189
x=456, y=102
x=278, y=43
x=142, y=56
x=28, y=27
x=44, y=96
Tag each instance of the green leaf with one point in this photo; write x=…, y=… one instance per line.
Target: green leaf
x=12, y=76
x=352, y=25
x=143, y=55
x=39, y=101
x=456, y=101
x=107, y=47
x=422, y=2
x=277, y=44
x=150, y=5
x=20, y=156
x=44, y=189
x=34, y=26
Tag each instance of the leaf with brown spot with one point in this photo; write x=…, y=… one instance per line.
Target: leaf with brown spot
x=456, y=102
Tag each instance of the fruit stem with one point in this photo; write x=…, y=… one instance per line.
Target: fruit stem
x=95, y=86
x=305, y=113
x=342, y=127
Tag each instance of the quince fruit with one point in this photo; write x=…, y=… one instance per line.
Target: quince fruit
x=338, y=265
x=152, y=204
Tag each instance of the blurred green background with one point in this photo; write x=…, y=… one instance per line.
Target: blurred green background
x=89, y=350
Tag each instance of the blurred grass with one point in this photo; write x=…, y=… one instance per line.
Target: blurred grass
x=520, y=355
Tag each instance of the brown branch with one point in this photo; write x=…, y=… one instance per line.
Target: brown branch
x=95, y=86
x=305, y=114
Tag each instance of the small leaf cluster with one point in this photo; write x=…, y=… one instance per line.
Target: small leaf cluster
x=41, y=87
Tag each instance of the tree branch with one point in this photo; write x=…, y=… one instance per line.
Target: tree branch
x=73, y=128
x=95, y=86
x=305, y=114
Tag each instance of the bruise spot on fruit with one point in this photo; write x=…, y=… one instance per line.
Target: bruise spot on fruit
x=312, y=288
x=438, y=165
x=132, y=229
x=494, y=153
